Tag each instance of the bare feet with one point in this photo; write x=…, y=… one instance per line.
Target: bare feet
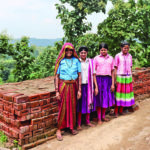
x=79, y=127
x=100, y=122
x=90, y=125
x=59, y=136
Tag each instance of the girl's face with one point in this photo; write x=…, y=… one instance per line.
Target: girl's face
x=68, y=53
x=125, y=49
x=103, y=51
x=83, y=54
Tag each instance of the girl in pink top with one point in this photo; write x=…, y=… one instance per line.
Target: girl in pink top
x=123, y=76
x=104, y=82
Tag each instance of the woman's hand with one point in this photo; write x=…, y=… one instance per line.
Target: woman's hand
x=112, y=88
x=57, y=96
x=79, y=95
x=96, y=91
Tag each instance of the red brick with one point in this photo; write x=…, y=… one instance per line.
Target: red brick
x=2, y=93
x=41, y=125
x=48, y=117
x=48, y=123
x=5, y=113
x=54, y=104
x=10, y=96
x=22, y=112
x=21, y=106
x=33, y=127
x=43, y=102
x=45, y=107
x=148, y=88
x=34, y=97
x=36, y=121
x=21, y=142
x=48, y=100
x=37, y=132
x=15, y=122
x=46, y=129
x=21, y=99
x=34, y=104
x=1, y=106
x=24, y=129
x=12, y=116
x=53, y=99
x=14, y=133
x=25, y=135
x=36, y=109
x=52, y=94
x=45, y=95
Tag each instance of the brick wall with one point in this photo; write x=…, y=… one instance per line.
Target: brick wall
x=141, y=83
x=29, y=109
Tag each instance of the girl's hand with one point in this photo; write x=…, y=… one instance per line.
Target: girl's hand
x=57, y=96
x=96, y=91
x=79, y=95
x=112, y=88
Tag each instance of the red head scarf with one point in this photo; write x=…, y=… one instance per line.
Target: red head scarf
x=62, y=55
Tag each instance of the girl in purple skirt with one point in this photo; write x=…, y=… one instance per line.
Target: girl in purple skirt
x=84, y=105
x=104, y=82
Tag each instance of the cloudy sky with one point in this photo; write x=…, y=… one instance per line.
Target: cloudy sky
x=36, y=18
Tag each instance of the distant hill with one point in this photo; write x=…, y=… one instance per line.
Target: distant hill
x=41, y=42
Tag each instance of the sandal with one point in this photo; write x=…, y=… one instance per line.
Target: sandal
x=90, y=125
x=114, y=115
x=79, y=128
x=105, y=119
x=74, y=132
x=59, y=136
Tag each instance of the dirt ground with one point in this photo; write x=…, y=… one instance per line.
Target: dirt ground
x=128, y=132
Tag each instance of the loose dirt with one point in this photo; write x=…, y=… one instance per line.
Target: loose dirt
x=128, y=132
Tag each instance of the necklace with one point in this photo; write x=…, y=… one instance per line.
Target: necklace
x=68, y=64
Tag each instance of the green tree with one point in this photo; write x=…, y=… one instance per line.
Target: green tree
x=23, y=55
x=127, y=21
x=5, y=46
x=74, y=21
x=44, y=63
x=119, y=26
x=92, y=42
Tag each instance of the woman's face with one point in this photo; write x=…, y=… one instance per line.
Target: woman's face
x=68, y=52
x=125, y=49
x=103, y=51
x=83, y=54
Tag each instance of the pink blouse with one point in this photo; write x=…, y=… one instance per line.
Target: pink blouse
x=103, y=65
x=123, y=63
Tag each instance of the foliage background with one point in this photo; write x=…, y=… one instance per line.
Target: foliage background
x=126, y=21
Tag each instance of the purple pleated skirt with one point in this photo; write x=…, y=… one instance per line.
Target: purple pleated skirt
x=82, y=104
x=105, y=97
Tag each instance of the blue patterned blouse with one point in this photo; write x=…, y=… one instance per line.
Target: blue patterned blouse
x=69, y=68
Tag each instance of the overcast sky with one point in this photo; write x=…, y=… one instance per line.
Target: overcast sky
x=36, y=18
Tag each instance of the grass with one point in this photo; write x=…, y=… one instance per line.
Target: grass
x=4, y=139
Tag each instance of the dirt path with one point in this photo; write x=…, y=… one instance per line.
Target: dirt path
x=129, y=132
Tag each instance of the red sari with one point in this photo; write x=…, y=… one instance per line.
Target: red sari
x=67, y=106
x=68, y=93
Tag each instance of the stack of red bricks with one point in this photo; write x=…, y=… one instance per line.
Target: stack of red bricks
x=28, y=118
x=29, y=110
x=141, y=83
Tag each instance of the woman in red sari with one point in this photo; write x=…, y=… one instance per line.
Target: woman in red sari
x=68, y=87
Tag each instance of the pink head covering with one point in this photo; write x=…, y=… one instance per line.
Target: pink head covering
x=62, y=55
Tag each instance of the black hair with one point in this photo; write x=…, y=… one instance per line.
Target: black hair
x=83, y=48
x=124, y=43
x=103, y=45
